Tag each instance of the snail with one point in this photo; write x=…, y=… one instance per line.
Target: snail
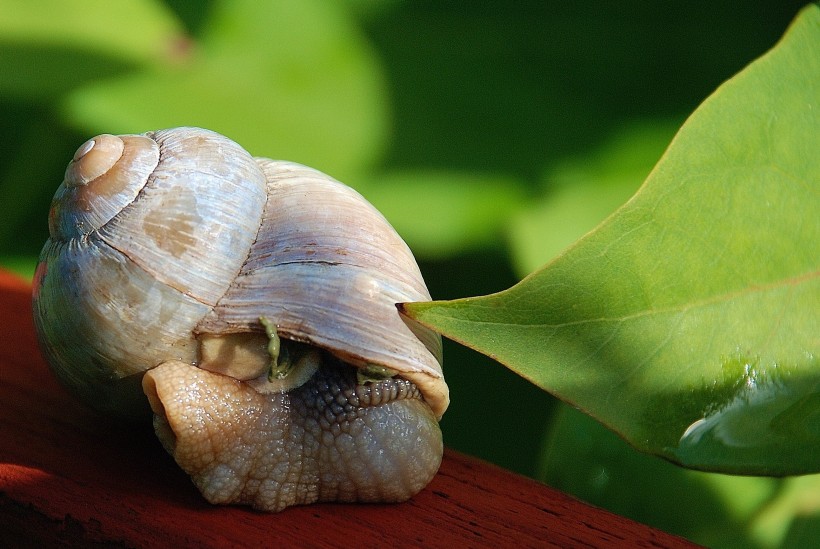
x=249, y=306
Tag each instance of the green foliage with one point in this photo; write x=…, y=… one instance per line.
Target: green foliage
x=468, y=212
x=582, y=457
x=580, y=192
x=687, y=322
x=261, y=76
x=492, y=139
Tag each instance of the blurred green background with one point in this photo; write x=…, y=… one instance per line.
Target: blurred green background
x=490, y=134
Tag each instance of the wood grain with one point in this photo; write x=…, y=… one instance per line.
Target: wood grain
x=69, y=477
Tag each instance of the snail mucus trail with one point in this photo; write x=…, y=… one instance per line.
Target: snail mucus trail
x=251, y=304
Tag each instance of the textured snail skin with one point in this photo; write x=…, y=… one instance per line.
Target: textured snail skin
x=173, y=253
x=328, y=440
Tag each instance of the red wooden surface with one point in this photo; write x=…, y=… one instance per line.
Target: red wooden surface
x=71, y=478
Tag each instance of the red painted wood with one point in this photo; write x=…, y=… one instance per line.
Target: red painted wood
x=70, y=477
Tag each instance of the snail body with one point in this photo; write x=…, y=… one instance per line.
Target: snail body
x=249, y=298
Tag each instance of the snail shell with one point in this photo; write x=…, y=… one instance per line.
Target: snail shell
x=178, y=254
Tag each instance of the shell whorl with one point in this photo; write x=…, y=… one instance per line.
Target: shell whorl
x=143, y=242
x=327, y=268
x=105, y=175
x=252, y=304
x=162, y=240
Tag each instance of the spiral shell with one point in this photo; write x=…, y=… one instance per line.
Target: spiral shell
x=250, y=304
x=147, y=233
x=304, y=281
x=164, y=243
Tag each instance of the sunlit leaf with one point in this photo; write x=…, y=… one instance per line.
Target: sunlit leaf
x=135, y=30
x=583, y=191
x=688, y=321
x=444, y=213
x=48, y=48
x=283, y=88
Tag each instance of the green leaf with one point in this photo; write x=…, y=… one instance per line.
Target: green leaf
x=687, y=322
x=583, y=191
x=443, y=213
x=584, y=459
x=714, y=510
x=311, y=93
x=136, y=30
x=50, y=47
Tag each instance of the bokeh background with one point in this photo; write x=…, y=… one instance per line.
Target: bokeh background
x=490, y=134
